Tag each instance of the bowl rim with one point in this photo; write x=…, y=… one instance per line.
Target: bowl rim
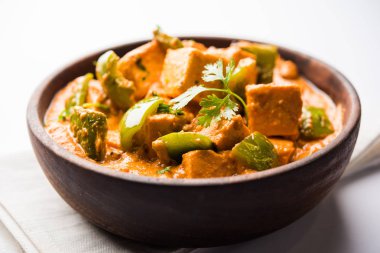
x=36, y=127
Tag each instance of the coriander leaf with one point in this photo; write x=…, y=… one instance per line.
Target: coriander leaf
x=164, y=108
x=213, y=72
x=183, y=99
x=214, y=109
x=164, y=170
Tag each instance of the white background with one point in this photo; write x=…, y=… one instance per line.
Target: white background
x=37, y=37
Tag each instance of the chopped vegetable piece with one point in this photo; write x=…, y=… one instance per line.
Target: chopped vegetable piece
x=134, y=119
x=179, y=143
x=167, y=41
x=99, y=106
x=90, y=129
x=256, y=151
x=314, y=123
x=119, y=89
x=266, y=59
x=79, y=96
x=245, y=73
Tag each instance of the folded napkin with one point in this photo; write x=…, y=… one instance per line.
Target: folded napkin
x=33, y=217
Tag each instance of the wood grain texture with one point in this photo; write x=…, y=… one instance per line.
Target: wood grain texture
x=195, y=212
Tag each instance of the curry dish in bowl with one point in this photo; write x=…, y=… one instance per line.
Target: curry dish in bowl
x=178, y=109
x=194, y=143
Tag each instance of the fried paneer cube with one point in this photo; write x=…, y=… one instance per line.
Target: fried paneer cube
x=143, y=66
x=183, y=69
x=274, y=110
x=224, y=134
x=208, y=163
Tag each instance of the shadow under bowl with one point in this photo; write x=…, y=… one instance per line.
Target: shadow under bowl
x=195, y=212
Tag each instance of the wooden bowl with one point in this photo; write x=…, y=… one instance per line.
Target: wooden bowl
x=195, y=212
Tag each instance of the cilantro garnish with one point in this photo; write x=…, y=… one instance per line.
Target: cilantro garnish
x=213, y=108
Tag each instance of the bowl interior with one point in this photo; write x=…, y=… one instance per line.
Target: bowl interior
x=322, y=75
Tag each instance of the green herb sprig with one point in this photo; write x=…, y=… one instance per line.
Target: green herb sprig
x=165, y=108
x=164, y=170
x=213, y=108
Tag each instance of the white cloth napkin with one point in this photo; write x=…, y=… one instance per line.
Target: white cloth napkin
x=33, y=217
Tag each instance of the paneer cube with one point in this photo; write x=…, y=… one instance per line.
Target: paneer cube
x=224, y=134
x=229, y=53
x=156, y=126
x=207, y=163
x=274, y=110
x=183, y=69
x=245, y=73
x=285, y=149
x=143, y=66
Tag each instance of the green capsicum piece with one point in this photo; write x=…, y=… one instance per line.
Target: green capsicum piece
x=119, y=89
x=134, y=119
x=89, y=128
x=314, y=123
x=266, y=59
x=178, y=143
x=166, y=41
x=79, y=95
x=241, y=76
x=256, y=151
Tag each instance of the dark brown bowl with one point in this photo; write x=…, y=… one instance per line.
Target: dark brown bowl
x=195, y=212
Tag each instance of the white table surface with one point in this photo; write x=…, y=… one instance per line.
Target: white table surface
x=37, y=37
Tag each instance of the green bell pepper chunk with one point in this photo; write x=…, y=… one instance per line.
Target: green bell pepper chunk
x=314, y=123
x=134, y=119
x=256, y=151
x=239, y=77
x=266, y=59
x=167, y=41
x=179, y=143
x=119, y=89
x=79, y=96
x=89, y=127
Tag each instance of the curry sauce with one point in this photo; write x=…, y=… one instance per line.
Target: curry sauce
x=179, y=109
